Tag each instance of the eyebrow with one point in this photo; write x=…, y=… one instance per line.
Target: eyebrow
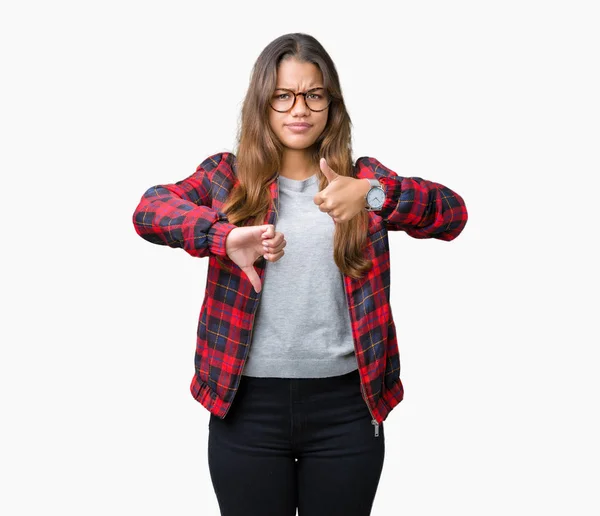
x=292, y=89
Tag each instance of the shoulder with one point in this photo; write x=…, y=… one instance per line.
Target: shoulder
x=221, y=163
x=219, y=172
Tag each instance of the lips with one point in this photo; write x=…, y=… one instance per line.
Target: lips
x=298, y=128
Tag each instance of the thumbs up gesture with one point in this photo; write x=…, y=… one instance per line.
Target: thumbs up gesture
x=344, y=197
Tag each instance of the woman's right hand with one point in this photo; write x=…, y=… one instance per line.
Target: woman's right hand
x=245, y=244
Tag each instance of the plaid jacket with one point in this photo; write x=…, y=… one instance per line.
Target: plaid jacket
x=187, y=214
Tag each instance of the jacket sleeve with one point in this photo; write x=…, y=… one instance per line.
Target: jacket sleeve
x=421, y=208
x=180, y=214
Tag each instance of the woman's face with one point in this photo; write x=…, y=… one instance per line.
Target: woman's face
x=298, y=77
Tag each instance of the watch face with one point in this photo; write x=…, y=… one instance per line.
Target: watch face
x=375, y=198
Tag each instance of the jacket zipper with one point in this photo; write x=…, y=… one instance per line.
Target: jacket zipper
x=362, y=388
x=373, y=421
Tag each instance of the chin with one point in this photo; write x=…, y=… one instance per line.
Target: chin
x=298, y=144
x=297, y=147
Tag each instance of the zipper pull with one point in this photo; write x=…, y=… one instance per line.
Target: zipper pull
x=376, y=425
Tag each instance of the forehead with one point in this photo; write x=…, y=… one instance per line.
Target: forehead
x=293, y=74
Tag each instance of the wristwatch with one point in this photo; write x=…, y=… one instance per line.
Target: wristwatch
x=375, y=196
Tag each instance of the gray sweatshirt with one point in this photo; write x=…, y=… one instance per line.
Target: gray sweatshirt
x=302, y=327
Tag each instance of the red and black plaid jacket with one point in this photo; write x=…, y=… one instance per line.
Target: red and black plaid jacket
x=187, y=214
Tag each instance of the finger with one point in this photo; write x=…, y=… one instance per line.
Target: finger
x=267, y=246
x=269, y=231
x=281, y=245
x=273, y=257
x=253, y=277
x=327, y=171
x=275, y=241
x=277, y=248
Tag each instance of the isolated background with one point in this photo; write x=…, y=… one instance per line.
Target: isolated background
x=499, y=349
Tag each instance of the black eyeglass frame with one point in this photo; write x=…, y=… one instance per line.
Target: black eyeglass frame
x=304, y=94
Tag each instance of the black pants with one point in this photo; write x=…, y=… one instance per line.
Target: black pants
x=288, y=443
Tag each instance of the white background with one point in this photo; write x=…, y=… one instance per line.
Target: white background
x=499, y=348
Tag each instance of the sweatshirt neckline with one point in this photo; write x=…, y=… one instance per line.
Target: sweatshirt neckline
x=296, y=184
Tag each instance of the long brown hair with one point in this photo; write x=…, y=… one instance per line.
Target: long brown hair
x=259, y=151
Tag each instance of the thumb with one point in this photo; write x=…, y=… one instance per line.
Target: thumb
x=327, y=171
x=254, y=278
x=267, y=231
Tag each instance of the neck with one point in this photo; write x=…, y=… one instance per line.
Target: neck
x=296, y=164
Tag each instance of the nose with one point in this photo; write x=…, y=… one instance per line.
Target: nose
x=300, y=108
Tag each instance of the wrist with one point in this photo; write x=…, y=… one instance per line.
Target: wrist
x=364, y=188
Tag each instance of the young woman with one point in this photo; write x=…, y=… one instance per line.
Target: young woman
x=296, y=325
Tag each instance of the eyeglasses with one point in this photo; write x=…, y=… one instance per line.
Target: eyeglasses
x=317, y=99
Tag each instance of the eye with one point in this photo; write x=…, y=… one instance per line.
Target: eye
x=281, y=96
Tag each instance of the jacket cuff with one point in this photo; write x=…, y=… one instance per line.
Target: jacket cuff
x=217, y=236
x=204, y=231
x=392, y=188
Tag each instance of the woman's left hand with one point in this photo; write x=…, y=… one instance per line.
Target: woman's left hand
x=344, y=197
